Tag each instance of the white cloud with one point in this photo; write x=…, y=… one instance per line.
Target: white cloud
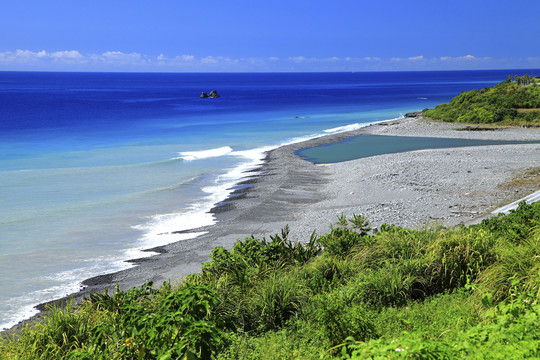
x=209, y=60
x=27, y=54
x=187, y=57
x=39, y=57
x=118, y=56
x=71, y=54
x=297, y=59
x=466, y=57
x=118, y=61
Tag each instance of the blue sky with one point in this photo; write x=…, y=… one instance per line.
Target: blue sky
x=299, y=35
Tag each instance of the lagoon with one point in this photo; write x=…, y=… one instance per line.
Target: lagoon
x=363, y=146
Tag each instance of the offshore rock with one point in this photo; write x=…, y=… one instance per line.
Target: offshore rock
x=213, y=94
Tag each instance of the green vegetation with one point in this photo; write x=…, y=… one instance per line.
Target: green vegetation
x=509, y=102
x=434, y=293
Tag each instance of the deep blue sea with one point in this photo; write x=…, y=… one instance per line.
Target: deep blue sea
x=95, y=167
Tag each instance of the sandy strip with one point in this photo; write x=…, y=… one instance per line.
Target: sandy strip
x=447, y=186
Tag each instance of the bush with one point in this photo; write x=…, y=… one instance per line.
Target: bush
x=337, y=322
x=277, y=299
x=513, y=333
x=341, y=239
x=181, y=325
x=458, y=257
x=515, y=226
x=255, y=253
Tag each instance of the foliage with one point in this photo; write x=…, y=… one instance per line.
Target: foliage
x=512, y=333
x=431, y=293
x=516, y=225
x=509, y=102
x=178, y=324
x=341, y=238
x=252, y=253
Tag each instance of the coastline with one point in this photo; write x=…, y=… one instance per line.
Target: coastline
x=447, y=186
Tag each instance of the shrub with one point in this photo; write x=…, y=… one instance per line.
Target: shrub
x=255, y=253
x=515, y=226
x=339, y=241
x=324, y=273
x=277, y=299
x=513, y=333
x=181, y=326
x=458, y=257
x=517, y=269
x=338, y=322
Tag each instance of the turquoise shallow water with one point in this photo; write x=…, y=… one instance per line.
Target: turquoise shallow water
x=372, y=145
x=96, y=167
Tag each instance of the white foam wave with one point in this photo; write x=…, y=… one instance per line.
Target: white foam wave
x=29, y=300
x=168, y=228
x=344, y=128
x=22, y=312
x=337, y=130
x=205, y=154
x=164, y=229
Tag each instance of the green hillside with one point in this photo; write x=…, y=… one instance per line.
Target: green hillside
x=512, y=102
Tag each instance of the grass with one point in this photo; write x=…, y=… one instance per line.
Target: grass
x=466, y=292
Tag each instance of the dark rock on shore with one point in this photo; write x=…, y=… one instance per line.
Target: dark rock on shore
x=413, y=114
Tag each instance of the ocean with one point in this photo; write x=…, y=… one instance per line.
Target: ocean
x=95, y=167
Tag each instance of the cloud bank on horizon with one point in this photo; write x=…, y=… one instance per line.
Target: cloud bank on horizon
x=73, y=60
x=349, y=35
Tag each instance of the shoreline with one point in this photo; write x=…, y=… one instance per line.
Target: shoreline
x=447, y=186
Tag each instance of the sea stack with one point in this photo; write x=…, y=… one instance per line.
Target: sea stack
x=213, y=95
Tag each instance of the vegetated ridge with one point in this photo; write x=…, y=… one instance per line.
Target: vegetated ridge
x=509, y=102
